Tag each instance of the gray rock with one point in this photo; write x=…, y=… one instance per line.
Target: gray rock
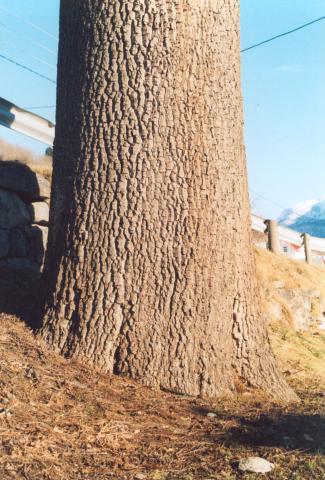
x=28, y=242
x=18, y=243
x=40, y=212
x=44, y=187
x=17, y=264
x=278, y=284
x=211, y=415
x=255, y=465
x=20, y=179
x=322, y=304
x=44, y=233
x=4, y=243
x=274, y=310
x=300, y=304
x=13, y=211
x=313, y=293
x=37, y=235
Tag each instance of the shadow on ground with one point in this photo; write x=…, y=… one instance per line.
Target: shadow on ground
x=275, y=428
x=19, y=294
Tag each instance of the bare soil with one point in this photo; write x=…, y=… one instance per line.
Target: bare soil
x=60, y=420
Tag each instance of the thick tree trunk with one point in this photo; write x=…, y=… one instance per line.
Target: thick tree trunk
x=150, y=270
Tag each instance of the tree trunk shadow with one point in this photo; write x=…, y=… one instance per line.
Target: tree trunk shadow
x=19, y=292
x=275, y=428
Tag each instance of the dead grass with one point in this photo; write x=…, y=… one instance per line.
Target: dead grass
x=60, y=420
x=301, y=354
x=39, y=164
x=293, y=273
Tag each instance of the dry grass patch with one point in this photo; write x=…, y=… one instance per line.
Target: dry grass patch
x=300, y=353
x=38, y=164
x=294, y=274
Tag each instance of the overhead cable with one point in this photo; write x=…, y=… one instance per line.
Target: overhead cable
x=283, y=34
x=34, y=42
x=27, y=68
x=26, y=52
x=258, y=195
x=33, y=25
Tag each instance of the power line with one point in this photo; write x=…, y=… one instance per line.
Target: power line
x=47, y=33
x=258, y=195
x=42, y=30
x=27, y=68
x=38, y=44
x=26, y=52
x=44, y=48
x=263, y=42
x=33, y=25
x=283, y=34
x=268, y=199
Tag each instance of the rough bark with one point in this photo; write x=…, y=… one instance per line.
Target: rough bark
x=150, y=271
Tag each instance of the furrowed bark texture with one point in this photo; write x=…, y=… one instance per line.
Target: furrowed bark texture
x=149, y=268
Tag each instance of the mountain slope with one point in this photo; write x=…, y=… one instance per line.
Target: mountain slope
x=306, y=217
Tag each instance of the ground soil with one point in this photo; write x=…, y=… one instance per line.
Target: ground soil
x=60, y=420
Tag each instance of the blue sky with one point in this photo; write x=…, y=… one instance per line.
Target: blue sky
x=283, y=87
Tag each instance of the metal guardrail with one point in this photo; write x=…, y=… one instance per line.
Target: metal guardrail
x=43, y=130
x=25, y=122
x=317, y=244
x=258, y=224
x=289, y=236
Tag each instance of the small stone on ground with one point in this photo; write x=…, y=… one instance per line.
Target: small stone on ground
x=255, y=465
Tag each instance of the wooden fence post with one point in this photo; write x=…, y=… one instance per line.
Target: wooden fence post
x=273, y=236
x=308, y=255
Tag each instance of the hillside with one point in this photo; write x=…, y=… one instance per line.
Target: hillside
x=302, y=353
x=60, y=420
x=306, y=217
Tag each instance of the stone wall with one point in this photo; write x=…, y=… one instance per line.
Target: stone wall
x=24, y=215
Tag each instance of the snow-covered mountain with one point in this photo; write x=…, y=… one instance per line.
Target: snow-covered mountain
x=308, y=217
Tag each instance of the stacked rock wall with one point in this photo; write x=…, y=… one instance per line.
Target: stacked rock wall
x=24, y=215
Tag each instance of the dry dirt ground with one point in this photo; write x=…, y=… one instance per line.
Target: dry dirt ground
x=62, y=421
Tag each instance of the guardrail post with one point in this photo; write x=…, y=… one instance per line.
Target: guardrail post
x=273, y=236
x=308, y=255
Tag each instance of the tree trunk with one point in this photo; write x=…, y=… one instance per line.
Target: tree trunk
x=150, y=271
